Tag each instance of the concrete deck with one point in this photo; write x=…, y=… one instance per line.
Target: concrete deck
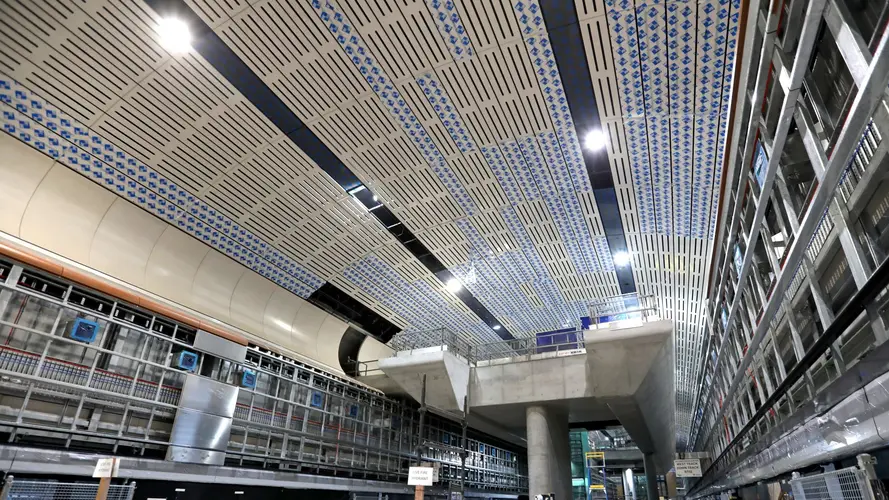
x=625, y=374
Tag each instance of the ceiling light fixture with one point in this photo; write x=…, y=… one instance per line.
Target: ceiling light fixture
x=594, y=140
x=175, y=35
x=453, y=285
x=621, y=259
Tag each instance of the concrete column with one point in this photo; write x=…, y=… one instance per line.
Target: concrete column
x=549, y=452
x=651, y=476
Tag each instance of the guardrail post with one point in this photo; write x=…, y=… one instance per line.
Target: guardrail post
x=132, y=491
x=7, y=487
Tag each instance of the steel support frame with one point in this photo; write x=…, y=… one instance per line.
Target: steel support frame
x=803, y=54
x=871, y=91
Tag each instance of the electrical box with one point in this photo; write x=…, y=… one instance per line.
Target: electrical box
x=247, y=379
x=82, y=330
x=185, y=360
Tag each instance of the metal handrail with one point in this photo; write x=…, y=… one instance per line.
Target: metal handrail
x=424, y=339
x=554, y=342
x=606, y=311
x=621, y=303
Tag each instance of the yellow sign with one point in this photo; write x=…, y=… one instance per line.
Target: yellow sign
x=595, y=454
x=597, y=487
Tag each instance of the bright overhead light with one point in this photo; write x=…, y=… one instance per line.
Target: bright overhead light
x=621, y=259
x=453, y=285
x=175, y=35
x=496, y=327
x=594, y=140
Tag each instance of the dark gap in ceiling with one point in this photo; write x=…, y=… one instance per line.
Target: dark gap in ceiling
x=566, y=40
x=340, y=304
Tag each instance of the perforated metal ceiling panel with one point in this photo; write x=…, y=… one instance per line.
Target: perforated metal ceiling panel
x=452, y=113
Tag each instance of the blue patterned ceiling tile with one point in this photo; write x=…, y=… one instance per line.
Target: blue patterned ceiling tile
x=516, y=161
x=683, y=171
x=550, y=294
x=371, y=273
x=577, y=229
x=529, y=16
x=605, y=258
x=81, y=149
x=550, y=81
x=382, y=85
x=704, y=164
x=503, y=294
x=722, y=138
x=542, y=175
x=497, y=162
x=519, y=266
x=502, y=298
x=473, y=236
x=655, y=83
x=451, y=28
x=639, y=162
x=448, y=115
x=520, y=234
x=661, y=160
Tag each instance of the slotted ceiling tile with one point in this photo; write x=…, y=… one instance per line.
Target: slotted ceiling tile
x=456, y=115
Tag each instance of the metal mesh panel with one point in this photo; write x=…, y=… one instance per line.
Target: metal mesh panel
x=44, y=490
x=845, y=484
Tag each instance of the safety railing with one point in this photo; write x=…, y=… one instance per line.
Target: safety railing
x=561, y=342
x=424, y=339
x=611, y=312
x=623, y=310
x=357, y=368
x=15, y=489
x=852, y=483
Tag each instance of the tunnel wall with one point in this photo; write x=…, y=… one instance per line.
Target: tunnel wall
x=49, y=205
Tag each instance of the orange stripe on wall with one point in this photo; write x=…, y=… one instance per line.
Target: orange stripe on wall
x=80, y=277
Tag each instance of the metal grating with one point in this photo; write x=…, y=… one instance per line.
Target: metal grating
x=845, y=484
x=51, y=490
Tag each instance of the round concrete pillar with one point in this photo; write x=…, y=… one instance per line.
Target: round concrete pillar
x=549, y=452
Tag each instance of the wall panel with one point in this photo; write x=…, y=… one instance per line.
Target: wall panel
x=22, y=173
x=50, y=206
x=124, y=240
x=64, y=213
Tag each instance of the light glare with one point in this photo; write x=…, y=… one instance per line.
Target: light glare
x=453, y=285
x=621, y=259
x=175, y=35
x=594, y=140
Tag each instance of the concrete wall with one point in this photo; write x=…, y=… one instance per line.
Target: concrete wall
x=657, y=402
x=49, y=205
x=615, y=365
